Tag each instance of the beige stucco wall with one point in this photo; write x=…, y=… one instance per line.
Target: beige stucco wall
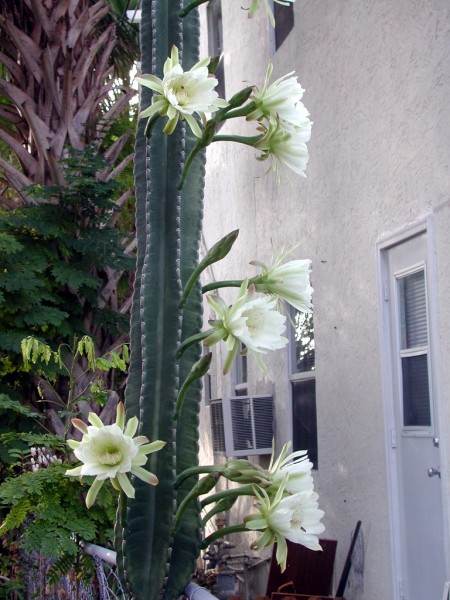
x=376, y=76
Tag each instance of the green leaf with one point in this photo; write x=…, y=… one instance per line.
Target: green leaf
x=47, y=315
x=16, y=516
x=73, y=276
x=7, y=403
x=9, y=244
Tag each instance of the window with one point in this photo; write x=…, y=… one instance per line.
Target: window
x=217, y=426
x=207, y=388
x=303, y=385
x=215, y=41
x=414, y=349
x=284, y=22
x=239, y=372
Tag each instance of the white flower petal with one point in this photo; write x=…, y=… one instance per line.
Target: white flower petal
x=131, y=427
x=93, y=491
x=289, y=281
x=181, y=94
x=280, y=103
x=146, y=476
x=251, y=320
x=285, y=149
x=297, y=518
x=107, y=451
x=125, y=484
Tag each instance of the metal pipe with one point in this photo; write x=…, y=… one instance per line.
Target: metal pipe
x=108, y=556
x=194, y=592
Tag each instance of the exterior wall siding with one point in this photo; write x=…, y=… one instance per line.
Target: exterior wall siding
x=376, y=76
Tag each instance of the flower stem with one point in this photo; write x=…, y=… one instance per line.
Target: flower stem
x=215, y=285
x=187, y=9
x=241, y=112
x=216, y=253
x=221, y=533
x=199, y=369
x=205, y=140
x=248, y=141
x=194, y=471
x=202, y=487
x=190, y=341
x=245, y=490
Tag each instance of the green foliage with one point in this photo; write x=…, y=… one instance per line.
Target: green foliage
x=33, y=351
x=11, y=588
x=54, y=256
x=18, y=445
x=8, y=404
x=76, y=369
x=47, y=509
x=83, y=567
x=42, y=510
x=14, y=416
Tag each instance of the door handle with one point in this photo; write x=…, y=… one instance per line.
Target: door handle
x=432, y=472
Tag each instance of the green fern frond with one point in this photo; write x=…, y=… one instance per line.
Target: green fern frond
x=7, y=403
x=16, y=516
x=61, y=568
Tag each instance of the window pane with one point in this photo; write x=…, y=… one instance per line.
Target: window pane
x=240, y=372
x=263, y=416
x=217, y=428
x=304, y=359
x=416, y=397
x=207, y=388
x=215, y=41
x=304, y=418
x=413, y=310
x=284, y=22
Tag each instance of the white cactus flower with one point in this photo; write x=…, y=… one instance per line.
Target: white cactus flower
x=285, y=149
x=280, y=102
x=111, y=451
x=293, y=471
x=181, y=94
x=252, y=320
x=289, y=281
x=295, y=517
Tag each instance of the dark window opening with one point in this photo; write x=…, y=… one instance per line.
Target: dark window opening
x=303, y=382
x=304, y=417
x=284, y=22
x=240, y=372
x=215, y=41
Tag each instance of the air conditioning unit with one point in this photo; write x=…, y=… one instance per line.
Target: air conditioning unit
x=248, y=425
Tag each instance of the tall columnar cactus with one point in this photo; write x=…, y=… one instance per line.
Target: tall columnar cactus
x=158, y=528
x=152, y=560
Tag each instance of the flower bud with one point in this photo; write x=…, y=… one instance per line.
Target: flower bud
x=243, y=471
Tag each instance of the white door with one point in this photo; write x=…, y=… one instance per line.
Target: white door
x=414, y=439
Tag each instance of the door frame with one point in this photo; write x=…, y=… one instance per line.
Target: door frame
x=383, y=245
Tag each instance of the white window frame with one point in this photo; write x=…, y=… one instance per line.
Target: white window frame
x=415, y=430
